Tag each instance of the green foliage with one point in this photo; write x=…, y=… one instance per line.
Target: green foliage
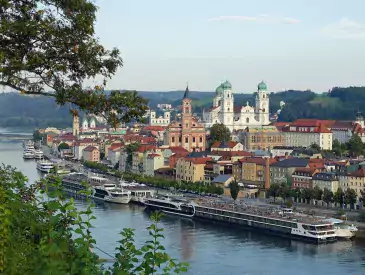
x=37, y=136
x=50, y=236
x=284, y=191
x=317, y=193
x=338, y=197
x=350, y=197
x=274, y=190
x=51, y=44
x=355, y=145
x=315, y=147
x=307, y=194
x=361, y=217
x=94, y=165
x=132, y=147
x=327, y=195
x=219, y=132
x=234, y=189
x=62, y=146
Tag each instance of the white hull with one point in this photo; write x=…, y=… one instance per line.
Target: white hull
x=343, y=233
x=119, y=200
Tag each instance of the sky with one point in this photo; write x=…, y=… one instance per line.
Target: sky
x=289, y=44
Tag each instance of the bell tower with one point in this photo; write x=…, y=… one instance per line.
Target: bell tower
x=75, y=123
x=262, y=103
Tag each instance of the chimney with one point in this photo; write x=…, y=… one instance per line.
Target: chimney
x=267, y=173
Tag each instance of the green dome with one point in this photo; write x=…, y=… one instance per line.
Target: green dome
x=219, y=90
x=262, y=86
x=226, y=85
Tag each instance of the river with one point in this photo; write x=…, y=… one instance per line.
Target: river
x=209, y=248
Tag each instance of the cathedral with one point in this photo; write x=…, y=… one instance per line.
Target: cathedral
x=237, y=117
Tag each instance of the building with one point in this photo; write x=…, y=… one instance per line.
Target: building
x=262, y=138
x=281, y=151
x=237, y=117
x=302, y=177
x=187, y=132
x=137, y=157
x=152, y=162
x=161, y=120
x=326, y=180
x=354, y=180
x=164, y=106
x=80, y=145
x=88, y=123
x=282, y=171
x=190, y=169
x=123, y=158
x=48, y=138
x=226, y=146
x=91, y=153
x=305, y=132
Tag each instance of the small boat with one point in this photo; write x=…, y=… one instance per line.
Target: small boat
x=344, y=230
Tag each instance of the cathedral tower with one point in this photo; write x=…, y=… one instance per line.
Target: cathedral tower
x=227, y=105
x=262, y=104
x=76, y=123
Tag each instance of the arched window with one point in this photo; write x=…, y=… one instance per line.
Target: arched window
x=263, y=110
x=247, y=120
x=229, y=109
x=186, y=109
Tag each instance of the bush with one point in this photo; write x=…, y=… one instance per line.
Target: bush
x=361, y=217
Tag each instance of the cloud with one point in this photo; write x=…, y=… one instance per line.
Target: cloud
x=345, y=29
x=261, y=18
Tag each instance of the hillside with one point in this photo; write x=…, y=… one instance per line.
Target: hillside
x=339, y=103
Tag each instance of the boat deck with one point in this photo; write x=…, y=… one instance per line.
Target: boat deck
x=263, y=211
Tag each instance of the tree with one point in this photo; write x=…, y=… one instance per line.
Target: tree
x=355, y=145
x=132, y=147
x=274, y=190
x=350, y=197
x=284, y=191
x=62, y=146
x=219, y=132
x=296, y=194
x=234, y=189
x=49, y=48
x=338, y=197
x=315, y=147
x=362, y=198
x=52, y=237
x=338, y=148
x=327, y=196
x=37, y=136
x=317, y=193
x=307, y=194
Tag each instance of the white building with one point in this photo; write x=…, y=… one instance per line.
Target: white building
x=305, y=134
x=161, y=120
x=237, y=117
x=123, y=160
x=81, y=145
x=89, y=122
x=152, y=162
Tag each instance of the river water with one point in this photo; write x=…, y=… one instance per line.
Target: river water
x=209, y=248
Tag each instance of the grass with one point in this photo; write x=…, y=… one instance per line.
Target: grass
x=326, y=101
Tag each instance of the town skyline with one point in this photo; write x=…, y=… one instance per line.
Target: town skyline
x=288, y=45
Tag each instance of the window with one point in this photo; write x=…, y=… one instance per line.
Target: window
x=193, y=139
x=200, y=139
x=187, y=125
x=173, y=139
x=179, y=139
x=186, y=140
x=247, y=120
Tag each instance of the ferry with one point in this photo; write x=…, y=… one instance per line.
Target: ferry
x=267, y=219
x=28, y=155
x=28, y=144
x=343, y=230
x=45, y=166
x=170, y=205
x=38, y=154
x=139, y=192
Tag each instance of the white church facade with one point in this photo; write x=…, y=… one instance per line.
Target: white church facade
x=161, y=120
x=238, y=117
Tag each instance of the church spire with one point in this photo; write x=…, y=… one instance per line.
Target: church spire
x=186, y=94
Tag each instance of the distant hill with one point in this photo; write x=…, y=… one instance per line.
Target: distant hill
x=339, y=103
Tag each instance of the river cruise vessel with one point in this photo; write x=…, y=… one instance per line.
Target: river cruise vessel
x=38, y=154
x=170, y=205
x=28, y=155
x=45, y=166
x=343, y=230
x=139, y=192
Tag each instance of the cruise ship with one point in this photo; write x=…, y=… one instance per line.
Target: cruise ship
x=38, y=154
x=171, y=205
x=267, y=219
x=45, y=166
x=139, y=192
x=28, y=154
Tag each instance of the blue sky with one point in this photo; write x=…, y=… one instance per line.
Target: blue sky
x=290, y=44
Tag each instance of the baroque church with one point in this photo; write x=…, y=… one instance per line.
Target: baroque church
x=238, y=117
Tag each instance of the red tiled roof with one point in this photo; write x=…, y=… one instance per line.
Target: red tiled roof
x=178, y=149
x=154, y=128
x=305, y=170
x=143, y=148
x=359, y=173
x=229, y=144
x=90, y=148
x=315, y=165
x=198, y=160
x=231, y=153
x=258, y=160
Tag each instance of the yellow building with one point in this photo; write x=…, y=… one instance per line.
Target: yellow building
x=264, y=137
x=355, y=180
x=190, y=169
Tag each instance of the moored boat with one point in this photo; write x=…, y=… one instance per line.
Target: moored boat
x=170, y=205
x=344, y=230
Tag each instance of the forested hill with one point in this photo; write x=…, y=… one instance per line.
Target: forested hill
x=339, y=103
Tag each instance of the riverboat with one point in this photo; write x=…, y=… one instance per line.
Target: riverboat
x=170, y=205
x=28, y=155
x=344, y=230
x=38, y=154
x=45, y=166
x=139, y=192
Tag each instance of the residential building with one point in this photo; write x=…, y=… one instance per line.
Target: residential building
x=262, y=138
x=114, y=155
x=91, y=153
x=123, y=157
x=152, y=162
x=282, y=171
x=48, y=138
x=223, y=180
x=305, y=132
x=356, y=181
x=302, y=177
x=226, y=146
x=188, y=132
x=81, y=144
x=281, y=151
x=342, y=130
x=326, y=180
x=137, y=157
x=190, y=169
x=161, y=120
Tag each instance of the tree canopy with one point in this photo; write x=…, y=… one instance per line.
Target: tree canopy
x=220, y=132
x=234, y=189
x=49, y=48
x=62, y=146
